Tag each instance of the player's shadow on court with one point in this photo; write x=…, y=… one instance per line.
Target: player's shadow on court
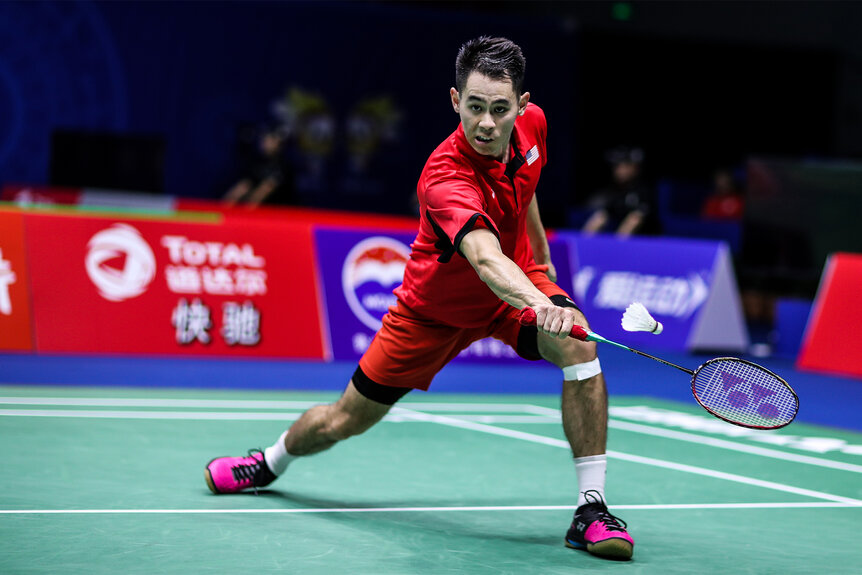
x=423, y=521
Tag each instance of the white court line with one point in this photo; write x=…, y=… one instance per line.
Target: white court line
x=130, y=414
x=732, y=445
x=549, y=412
x=650, y=507
x=400, y=413
x=543, y=415
x=527, y=419
x=403, y=414
x=490, y=429
x=239, y=415
x=154, y=402
x=732, y=477
x=264, y=404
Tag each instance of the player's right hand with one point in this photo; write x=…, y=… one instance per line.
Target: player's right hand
x=554, y=320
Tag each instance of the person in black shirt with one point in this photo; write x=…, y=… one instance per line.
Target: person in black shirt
x=269, y=177
x=625, y=206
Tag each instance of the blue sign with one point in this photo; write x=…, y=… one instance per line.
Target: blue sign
x=687, y=285
x=359, y=270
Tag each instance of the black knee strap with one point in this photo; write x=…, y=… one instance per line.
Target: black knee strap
x=385, y=394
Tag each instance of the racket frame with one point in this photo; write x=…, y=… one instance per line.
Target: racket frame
x=528, y=317
x=757, y=366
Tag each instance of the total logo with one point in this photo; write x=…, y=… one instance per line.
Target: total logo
x=120, y=262
x=7, y=278
x=372, y=269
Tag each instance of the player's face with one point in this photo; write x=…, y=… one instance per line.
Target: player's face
x=488, y=110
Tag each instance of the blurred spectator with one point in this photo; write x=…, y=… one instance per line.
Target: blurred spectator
x=310, y=121
x=625, y=207
x=268, y=179
x=726, y=201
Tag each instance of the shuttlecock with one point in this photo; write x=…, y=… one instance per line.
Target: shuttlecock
x=637, y=318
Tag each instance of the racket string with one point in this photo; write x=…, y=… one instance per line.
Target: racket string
x=744, y=393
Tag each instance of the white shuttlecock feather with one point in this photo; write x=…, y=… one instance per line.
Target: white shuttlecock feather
x=637, y=318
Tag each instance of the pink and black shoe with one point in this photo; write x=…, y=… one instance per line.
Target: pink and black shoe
x=234, y=474
x=599, y=532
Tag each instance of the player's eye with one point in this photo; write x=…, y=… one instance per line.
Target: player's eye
x=501, y=110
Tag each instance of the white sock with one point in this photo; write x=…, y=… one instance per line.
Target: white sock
x=277, y=458
x=591, y=471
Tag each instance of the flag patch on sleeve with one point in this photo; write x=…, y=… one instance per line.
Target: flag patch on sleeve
x=532, y=155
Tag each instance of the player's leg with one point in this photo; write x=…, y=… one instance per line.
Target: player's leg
x=584, y=397
x=405, y=354
x=585, y=420
x=316, y=430
x=362, y=405
x=585, y=423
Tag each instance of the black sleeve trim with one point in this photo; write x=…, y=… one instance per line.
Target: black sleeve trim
x=445, y=245
x=468, y=227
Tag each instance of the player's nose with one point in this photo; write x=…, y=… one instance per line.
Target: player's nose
x=486, y=123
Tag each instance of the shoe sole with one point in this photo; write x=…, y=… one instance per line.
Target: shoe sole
x=209, y=479
x=609, y=548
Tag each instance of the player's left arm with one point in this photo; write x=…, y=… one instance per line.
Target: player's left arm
x=538, y=239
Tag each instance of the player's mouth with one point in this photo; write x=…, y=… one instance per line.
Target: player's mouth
x=484, y=140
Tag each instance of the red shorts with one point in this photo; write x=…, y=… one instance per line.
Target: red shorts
x=410, y=349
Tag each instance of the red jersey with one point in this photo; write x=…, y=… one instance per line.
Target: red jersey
x=461, y=190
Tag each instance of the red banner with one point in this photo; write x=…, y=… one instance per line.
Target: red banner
x=150, y=286
x=16, y=330
x=830, y=342
x=183, y=208
x=28, y=195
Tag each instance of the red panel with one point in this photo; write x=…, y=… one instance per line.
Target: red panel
x=16, y=330
x=831, y=343
x=27, y=194
x=147, y=286
x=319, y=217
x=24, y=194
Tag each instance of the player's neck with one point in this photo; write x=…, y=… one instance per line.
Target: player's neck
x=508, y=154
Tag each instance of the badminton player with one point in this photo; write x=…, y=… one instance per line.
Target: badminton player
x=479, y=257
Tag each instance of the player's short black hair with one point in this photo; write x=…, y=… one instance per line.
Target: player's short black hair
x=497, y=58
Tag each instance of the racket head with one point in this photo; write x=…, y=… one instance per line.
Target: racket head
x=744, y=393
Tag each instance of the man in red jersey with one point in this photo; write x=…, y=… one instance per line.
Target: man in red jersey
x=480, y=256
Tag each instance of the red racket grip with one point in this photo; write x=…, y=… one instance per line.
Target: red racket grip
x=528, y=317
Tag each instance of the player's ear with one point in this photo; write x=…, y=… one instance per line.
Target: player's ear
x=456, y=100
x=522, y=103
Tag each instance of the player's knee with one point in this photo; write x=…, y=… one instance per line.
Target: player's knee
x=569, y=351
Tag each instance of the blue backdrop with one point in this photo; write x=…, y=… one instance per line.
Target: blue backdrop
x=368, y=88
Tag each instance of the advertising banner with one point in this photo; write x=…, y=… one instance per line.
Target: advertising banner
x=171, y=287
x=826, y=346
x=16, y=330
x=359, y=271
x=687, y=285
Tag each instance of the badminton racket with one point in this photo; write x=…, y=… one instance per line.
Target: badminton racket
x=732, y=389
